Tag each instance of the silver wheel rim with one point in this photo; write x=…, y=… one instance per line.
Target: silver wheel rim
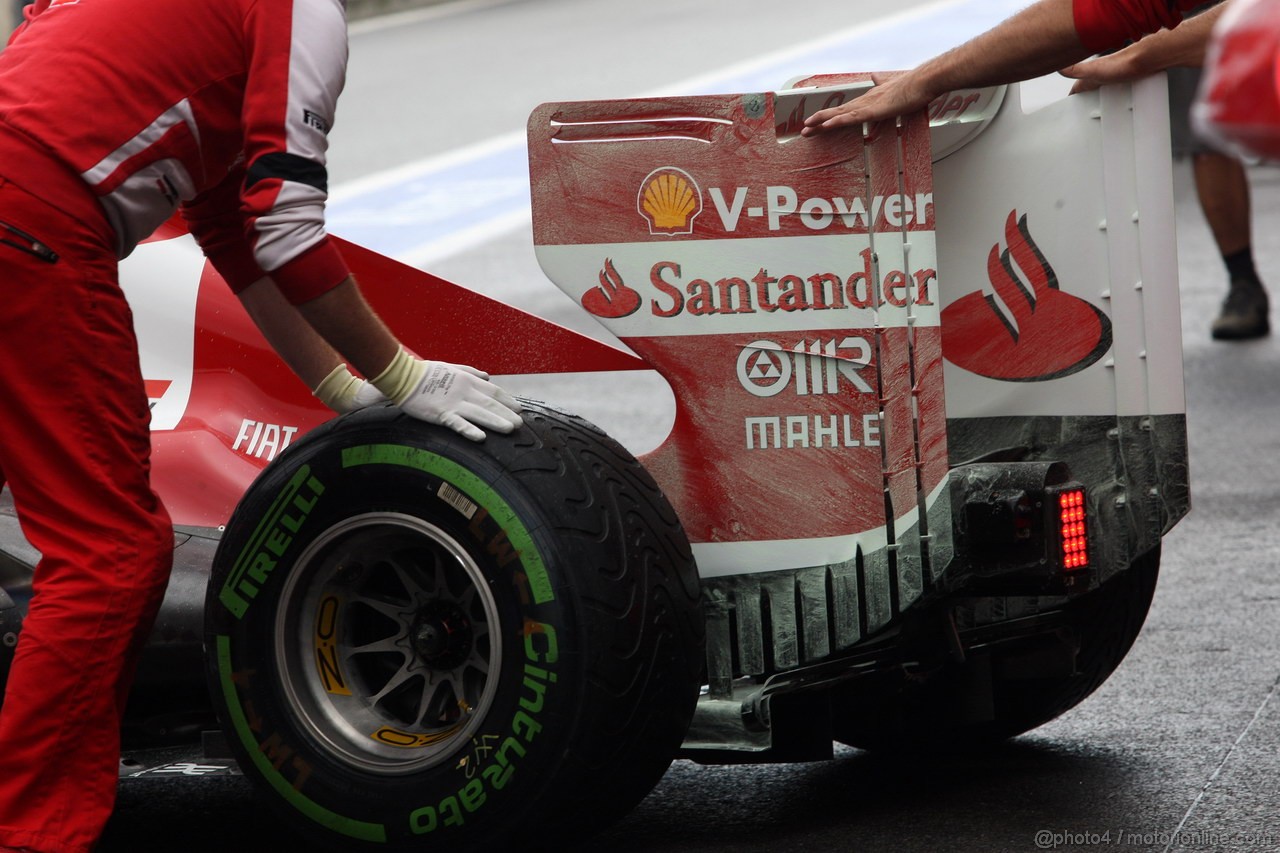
x=387, y=637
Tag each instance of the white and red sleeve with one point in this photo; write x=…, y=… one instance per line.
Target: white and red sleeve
x=215, y=220
x=297, y=66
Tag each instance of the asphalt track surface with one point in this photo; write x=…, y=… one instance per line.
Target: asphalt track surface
x=1177, y=751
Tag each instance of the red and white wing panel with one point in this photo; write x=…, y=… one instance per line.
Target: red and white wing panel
x=785, y=288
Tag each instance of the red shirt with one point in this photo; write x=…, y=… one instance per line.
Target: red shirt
x=1108, y=24
x=220, y=108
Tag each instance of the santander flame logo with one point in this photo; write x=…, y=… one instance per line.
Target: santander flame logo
x=612, y=299
x=1027, y=330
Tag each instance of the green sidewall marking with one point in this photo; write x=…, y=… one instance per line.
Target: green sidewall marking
x=229, y=596
x=345, y=825
x=477, y=489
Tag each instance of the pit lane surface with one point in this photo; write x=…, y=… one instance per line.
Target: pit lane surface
x=1177, y=751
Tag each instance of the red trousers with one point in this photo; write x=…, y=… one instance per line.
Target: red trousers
x=75, y=451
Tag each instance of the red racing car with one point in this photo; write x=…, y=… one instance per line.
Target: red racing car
x=928, y=433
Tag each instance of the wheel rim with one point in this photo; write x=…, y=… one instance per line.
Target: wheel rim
x=387, y=636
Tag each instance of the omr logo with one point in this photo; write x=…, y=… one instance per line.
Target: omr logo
x=766, y=368
x=669, y=200
x=612, y=299
x=761, y=371
x=1026, y=330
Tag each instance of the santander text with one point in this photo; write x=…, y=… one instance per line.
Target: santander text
x=768, y=292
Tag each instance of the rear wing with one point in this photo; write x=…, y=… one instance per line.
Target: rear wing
x=786, y=288
x=1058, y=220
x=843, y=319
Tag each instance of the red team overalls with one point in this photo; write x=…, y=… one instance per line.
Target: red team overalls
x=113, y=114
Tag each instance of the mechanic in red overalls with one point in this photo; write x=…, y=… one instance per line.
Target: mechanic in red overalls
x=1043, y=38
x=113, y=115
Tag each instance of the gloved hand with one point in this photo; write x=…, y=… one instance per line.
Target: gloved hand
x=344, y=392
x=453, y=395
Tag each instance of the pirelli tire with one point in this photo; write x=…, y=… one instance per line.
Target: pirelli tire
x=993, y=697
x=417, y=642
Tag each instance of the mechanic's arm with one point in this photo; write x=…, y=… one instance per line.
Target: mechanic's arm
x=1038, y=40
x=297, y=64
x=1044, y=37
x=313, y=336
x=1180, y=47
x=310, y=356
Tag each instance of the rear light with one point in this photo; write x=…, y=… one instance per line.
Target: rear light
x=1073, y=536
x=1023, y=529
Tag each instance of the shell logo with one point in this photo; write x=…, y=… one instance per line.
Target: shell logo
x=669, y=200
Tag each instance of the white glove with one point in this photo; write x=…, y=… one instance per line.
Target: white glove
x=344, y=392
x=453, y=395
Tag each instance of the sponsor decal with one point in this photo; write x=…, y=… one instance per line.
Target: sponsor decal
x=270, y=541
x=542, y=652
x=389, y=736
x=766, y=368
x=811, y=368
x=262, y=440
x=953, y=105
x=188, y=768
x=801, y=108
x=155, y=390
x=789, y=432
x=780, y=203
x=679, y=291
x=328, y=664
x=315, y=120
x=1026, y=329
x=612, y=299
x=669, y=200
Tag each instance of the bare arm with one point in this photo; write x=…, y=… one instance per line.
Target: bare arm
x=343, y=318
x=316, y=336
x=288, y=332
x=309, y=353
x=1183, y=46
x=1038, y=40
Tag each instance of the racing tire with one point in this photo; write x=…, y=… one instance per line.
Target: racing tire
x=936, y=715
x=417, y=642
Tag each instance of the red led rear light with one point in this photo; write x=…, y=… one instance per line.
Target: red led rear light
x=1073, y=534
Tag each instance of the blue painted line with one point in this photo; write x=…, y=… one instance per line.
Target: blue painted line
x=425, y=211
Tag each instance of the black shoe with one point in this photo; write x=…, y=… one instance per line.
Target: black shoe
x=1244, y=312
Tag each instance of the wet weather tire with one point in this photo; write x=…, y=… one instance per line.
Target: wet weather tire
x=420, y=642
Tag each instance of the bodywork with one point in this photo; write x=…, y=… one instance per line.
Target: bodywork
x=866, y=339
x=871, y=337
